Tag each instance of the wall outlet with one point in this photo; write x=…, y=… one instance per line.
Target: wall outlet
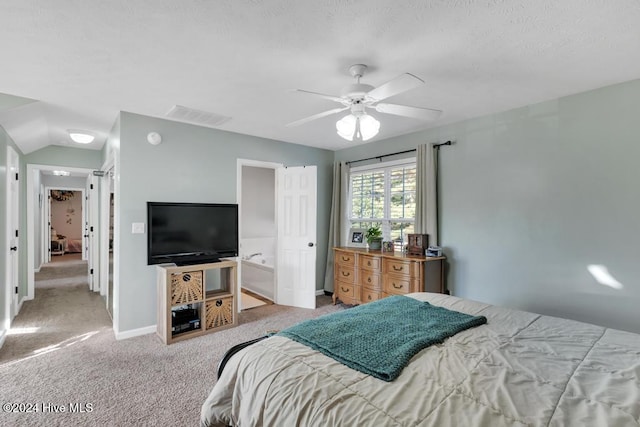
x=137, y=228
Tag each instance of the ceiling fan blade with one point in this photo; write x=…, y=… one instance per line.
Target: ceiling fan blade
x=398, y=85
x=404, y=110
x=322, y=95
x=316, y=116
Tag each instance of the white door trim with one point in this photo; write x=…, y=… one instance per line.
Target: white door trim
x=105, y=195
x=31, y=226
x=257, y=164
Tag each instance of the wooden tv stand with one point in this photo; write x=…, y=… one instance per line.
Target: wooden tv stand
x=209, y=289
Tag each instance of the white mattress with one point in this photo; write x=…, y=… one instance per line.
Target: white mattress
x=519, y=369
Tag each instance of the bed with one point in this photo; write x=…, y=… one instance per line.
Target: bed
x=74, y=245
x=519, y=369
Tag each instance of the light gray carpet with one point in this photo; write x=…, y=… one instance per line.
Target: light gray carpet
x=74, y=358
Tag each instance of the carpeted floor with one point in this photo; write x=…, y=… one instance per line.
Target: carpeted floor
x=66, y=354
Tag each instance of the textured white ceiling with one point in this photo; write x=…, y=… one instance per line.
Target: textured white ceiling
x=85, y=61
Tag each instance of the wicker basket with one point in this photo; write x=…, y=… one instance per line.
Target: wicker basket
x=186, y=287
x=219, y=312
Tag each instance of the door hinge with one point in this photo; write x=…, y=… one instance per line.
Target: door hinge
x=91, y=229
x=91, y=271
x=16, y=233
x=16, y=176
x=91, y=186
x=16, y=289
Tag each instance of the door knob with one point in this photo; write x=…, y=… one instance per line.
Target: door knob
x=310, y=244
x=13, y=248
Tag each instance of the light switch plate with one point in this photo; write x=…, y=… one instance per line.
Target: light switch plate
x=137, y=228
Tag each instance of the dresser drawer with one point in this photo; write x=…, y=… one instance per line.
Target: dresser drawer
x=345, y=258
x=370, y=280
x=345, y=274
x=400, y=267
x=394, y=284
x=345, y=290
x=368, y=262
x=370, y=296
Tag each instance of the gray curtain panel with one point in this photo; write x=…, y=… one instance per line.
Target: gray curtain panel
x=339, y=218
x=426, y=197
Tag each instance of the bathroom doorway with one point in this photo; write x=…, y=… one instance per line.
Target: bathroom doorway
x=257, y=232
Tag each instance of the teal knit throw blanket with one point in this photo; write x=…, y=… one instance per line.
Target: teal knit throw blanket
x=381, y=337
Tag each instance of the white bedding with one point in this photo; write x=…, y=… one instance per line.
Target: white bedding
x=519, y=369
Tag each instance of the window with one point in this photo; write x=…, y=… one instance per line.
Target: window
x=384, y=194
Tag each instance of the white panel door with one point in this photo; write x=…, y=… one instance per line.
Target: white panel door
x=13, y=225
x=296, y=255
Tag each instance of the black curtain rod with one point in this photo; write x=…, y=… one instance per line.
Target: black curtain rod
x=393, y=154
x=440, y=145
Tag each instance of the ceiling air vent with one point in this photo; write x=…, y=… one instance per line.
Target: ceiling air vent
x=197, y=117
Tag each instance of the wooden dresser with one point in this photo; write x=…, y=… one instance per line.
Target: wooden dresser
x=362, y=275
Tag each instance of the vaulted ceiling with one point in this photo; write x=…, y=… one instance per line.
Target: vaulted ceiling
x=75, y=65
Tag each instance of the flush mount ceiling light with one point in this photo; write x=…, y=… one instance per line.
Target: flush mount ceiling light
x=61, y=173
x=359, y=96
x=81, y=137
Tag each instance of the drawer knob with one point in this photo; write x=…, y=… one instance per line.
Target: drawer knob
x=344, y=290
x=369, y=263
x=396, y=286
x=396, y=268
x=345, y=274
x=369, y=279
x=369, y=296
x=346, y=258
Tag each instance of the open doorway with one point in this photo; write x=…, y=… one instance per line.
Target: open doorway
x=66, y=212
x=257, y=233
x=277, y=232
x=59, y=212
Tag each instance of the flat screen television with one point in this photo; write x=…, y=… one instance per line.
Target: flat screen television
x=191, y=233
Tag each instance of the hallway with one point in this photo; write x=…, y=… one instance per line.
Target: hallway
x=63, y=311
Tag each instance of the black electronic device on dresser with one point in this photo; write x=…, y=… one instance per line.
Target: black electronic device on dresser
x=191, y=233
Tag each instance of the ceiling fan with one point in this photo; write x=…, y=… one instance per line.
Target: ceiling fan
x=358, y=97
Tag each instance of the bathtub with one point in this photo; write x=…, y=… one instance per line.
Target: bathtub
x=258, y=276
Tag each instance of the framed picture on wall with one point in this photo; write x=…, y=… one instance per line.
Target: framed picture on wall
x=356, y=237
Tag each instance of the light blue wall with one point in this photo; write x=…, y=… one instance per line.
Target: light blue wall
x=192, y=164
x=530, y=197
x=66, y=156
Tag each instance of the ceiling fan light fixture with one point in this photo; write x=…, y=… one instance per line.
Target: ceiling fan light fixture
x=346, y=127
x=361, y=127
x=368, y=126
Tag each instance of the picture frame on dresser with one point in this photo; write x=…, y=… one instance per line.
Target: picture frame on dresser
x=356, y=238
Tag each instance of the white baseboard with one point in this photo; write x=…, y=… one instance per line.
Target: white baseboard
x=319, y=292
x=135, y=332
x=36, y=270
x=24, y=298
x=3, y=335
